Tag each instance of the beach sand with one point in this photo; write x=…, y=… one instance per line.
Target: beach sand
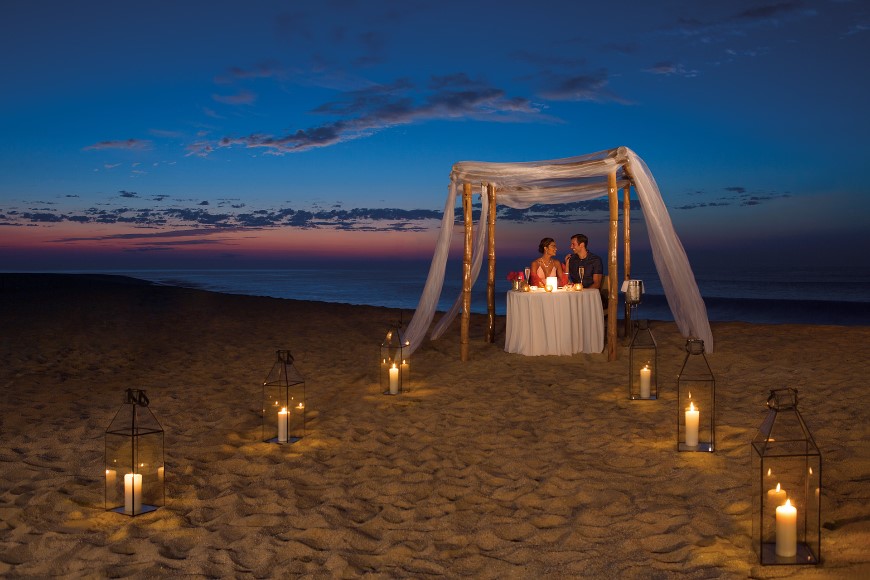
x=504, y=466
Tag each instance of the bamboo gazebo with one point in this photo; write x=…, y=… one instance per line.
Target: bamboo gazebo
x=520, y=185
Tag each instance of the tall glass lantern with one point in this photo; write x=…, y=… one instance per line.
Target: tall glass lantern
x=787, y=485
x=395, y=362
x=642, y=364
x=134, y=456
x=283, y=401
x=696, y=400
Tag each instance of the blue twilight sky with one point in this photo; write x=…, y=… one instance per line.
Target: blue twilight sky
x=245, y=133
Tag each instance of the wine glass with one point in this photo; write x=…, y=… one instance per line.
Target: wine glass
x=580, y=272
x=528, y=272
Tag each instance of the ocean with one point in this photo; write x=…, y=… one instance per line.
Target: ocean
x=790, y=296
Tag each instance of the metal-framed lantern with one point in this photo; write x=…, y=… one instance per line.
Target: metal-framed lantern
x=283, y=401
x=642, y=363
x=134, y=457
x=787, y=485
x=395, y=362
x=696, y=400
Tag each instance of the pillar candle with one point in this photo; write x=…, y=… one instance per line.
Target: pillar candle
x=645, y=374
x=282, y=425
x=132, y=493
x=775, y=498
x=404, y=371
x=786, y=530
x=394, y=380
x=692, y=416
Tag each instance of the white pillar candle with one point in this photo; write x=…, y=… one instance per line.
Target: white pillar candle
x=282, y=425
x=645, y=374
x=775, y=497
x=111, y=481
x=132, y=493
x=692, y=416
x=394, y=380
x=786, y=530
x=552, y=282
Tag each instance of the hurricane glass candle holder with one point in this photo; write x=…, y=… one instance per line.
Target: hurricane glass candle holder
x=642, y=364
x=395, y=362
x=696, y=400
x=283, y=401
x=135, y=473
x=787, y=485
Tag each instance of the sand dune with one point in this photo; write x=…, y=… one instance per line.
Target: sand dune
x=501, y=467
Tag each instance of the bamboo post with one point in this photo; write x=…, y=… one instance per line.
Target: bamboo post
x=611, y=266
x=490, y=278
x=626, y=240
x=466, y=273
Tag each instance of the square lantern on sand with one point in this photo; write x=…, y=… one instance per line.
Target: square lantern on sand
x=696, y=400
x=134, y=483
x=395, y=362
x=642, y=363
x=787, y=483
x=283, y=401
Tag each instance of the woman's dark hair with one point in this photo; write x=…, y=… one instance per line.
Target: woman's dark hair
x=544, y=243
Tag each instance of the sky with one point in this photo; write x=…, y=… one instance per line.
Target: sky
x=252, y=134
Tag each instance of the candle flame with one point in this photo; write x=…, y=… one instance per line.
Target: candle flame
x=394, y=365
x=787, y=503
x=690, y=394
x=283, y=409
x=691, y=406
x=768, y=471
x=777, y=488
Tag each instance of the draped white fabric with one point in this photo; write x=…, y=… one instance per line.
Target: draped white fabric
x=521, y=185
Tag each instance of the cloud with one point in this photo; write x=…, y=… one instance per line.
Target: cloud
x=131, y=144
x=123, y=193
x=672, y=69
x=366, y=111
x=243, y=97
x=584, y=87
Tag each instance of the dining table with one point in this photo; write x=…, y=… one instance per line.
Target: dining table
x=559, y=322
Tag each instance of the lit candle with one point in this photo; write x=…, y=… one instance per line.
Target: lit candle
x=776, y=497
x=404, y=373
x=692, y=426
x=394, y=380
x=786, y=530
x=645, y=374
x=111, y=478
x=132, y=493
x=282, y=425
x=160, y=474
x=552, y=282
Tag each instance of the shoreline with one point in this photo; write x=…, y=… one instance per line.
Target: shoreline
x=502, y=466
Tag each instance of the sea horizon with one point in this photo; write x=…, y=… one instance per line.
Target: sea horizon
x=783, y=297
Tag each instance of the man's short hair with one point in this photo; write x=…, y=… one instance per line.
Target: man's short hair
x=581, y=239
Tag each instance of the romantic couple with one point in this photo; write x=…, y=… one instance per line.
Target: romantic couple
x=580, y=264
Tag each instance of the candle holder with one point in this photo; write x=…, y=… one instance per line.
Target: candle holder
x=283, y=401
x=135, y=471
x=786, y=466
x=642, y=364
x=395, y=362
x=696, y=400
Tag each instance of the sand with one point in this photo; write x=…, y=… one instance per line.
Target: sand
x=500, y=467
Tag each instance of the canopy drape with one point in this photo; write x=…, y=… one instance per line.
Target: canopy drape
x=521, y=185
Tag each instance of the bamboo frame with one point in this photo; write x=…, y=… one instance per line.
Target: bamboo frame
x=611, y=266
x=466, y=273
x=626, y=241
x=490, y=277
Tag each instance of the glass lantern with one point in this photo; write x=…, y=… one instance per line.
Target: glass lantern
x=696, y=400
x=787, y=474
x=395, y=362
x=134, y=454
x=642, y=364
x=283, y=401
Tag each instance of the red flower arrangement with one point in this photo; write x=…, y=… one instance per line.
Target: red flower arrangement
x=514, y=276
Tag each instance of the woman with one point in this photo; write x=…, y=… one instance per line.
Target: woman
x=546, y=265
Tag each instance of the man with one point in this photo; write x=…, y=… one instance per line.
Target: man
x=581, y=257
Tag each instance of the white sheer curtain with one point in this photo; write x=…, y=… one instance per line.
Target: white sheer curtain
x=521, y=185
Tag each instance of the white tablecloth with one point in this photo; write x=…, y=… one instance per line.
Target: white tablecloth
x=559, y=322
